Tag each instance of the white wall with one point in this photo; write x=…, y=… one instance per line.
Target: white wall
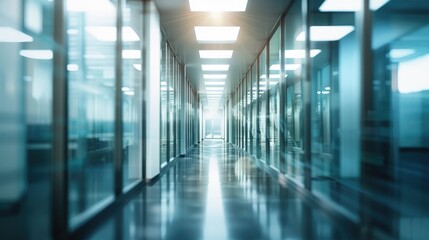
x=152, y=68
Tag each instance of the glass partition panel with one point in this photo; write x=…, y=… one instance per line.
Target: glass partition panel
x=91, y=76
x=132, y=94
x=171, y=105
x=273, y=86
x=395, y=117
x=164, y=101
x=335, y=94
x=262, y=101
x=255, y=113
x=294, y=65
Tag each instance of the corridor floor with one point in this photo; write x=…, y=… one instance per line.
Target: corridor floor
x=216, y=192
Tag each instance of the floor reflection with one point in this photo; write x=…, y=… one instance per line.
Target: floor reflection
x=216, y=192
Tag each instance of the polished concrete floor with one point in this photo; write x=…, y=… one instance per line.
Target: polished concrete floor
x=216, y=192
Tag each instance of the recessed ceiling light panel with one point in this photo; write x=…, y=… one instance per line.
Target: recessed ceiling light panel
x=216, y=53
x=108, y=34
x=215, y=67
x=207, y=34
x=218, y=5
x=37, y=54
x=214, y=76
x=300, y=53
x=326, y=33
x=349, y=5
x=8, y=34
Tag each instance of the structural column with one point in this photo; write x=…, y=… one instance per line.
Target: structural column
x=151, y=89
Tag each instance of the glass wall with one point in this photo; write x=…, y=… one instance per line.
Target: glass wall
x=164, y=101
x=273, y=88
x=294, y=55
x=171, y=104
x=91, y=77
x=335, y=84
x=364, y=67
x=262, y=102
x=132, y=94
x=255, y=110
x=26, y=80
x=71, y=118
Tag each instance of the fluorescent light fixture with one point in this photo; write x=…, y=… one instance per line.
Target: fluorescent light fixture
x=328, y=88
x=325, y=92
x=216, y=34
x=214, y=88
x=272, y=76
x=129, y=93
x=215, y=67
x=37, y=54
x=108, y=34
x=216, y=53
x=96, y=6
x=288, y=67
x=131, y=54
x=326, y=33
x=125, y=89
x=214, y=76
x=8, y=34
x=300, y=53
x=215, y=83
x=400, y=53
x=138, y=67
x=218, y=5
x=72, y=67
x=349, y=5
x=412, y=75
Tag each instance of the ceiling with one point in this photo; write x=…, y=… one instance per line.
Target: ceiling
x=256, y=23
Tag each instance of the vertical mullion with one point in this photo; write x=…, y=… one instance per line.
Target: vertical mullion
x=267, y=104
x=118, y=173
x=258, y=112
x=282, y=95
x=306, y=90
x=59, y=176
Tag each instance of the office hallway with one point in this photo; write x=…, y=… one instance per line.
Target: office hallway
x=216, y=192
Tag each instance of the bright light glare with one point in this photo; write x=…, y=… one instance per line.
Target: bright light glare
x=349, y=5
x=326, y=33
x=125, y=89
x=138, y=67
x=108, y=34
x=214, y=88
x=72, y=67
x=216, y=53
x=215, y=67
x=214, y=76
x=131, y=54
x=288, y=67
x=215, y=83
x=37, y=54
x=8, y=34
x=400, y=53
x=217, y=34
x=93, y=6
x=299, y=53
x=412, y=75
x=272, y=76
x=129, y=93
x=218, y=5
